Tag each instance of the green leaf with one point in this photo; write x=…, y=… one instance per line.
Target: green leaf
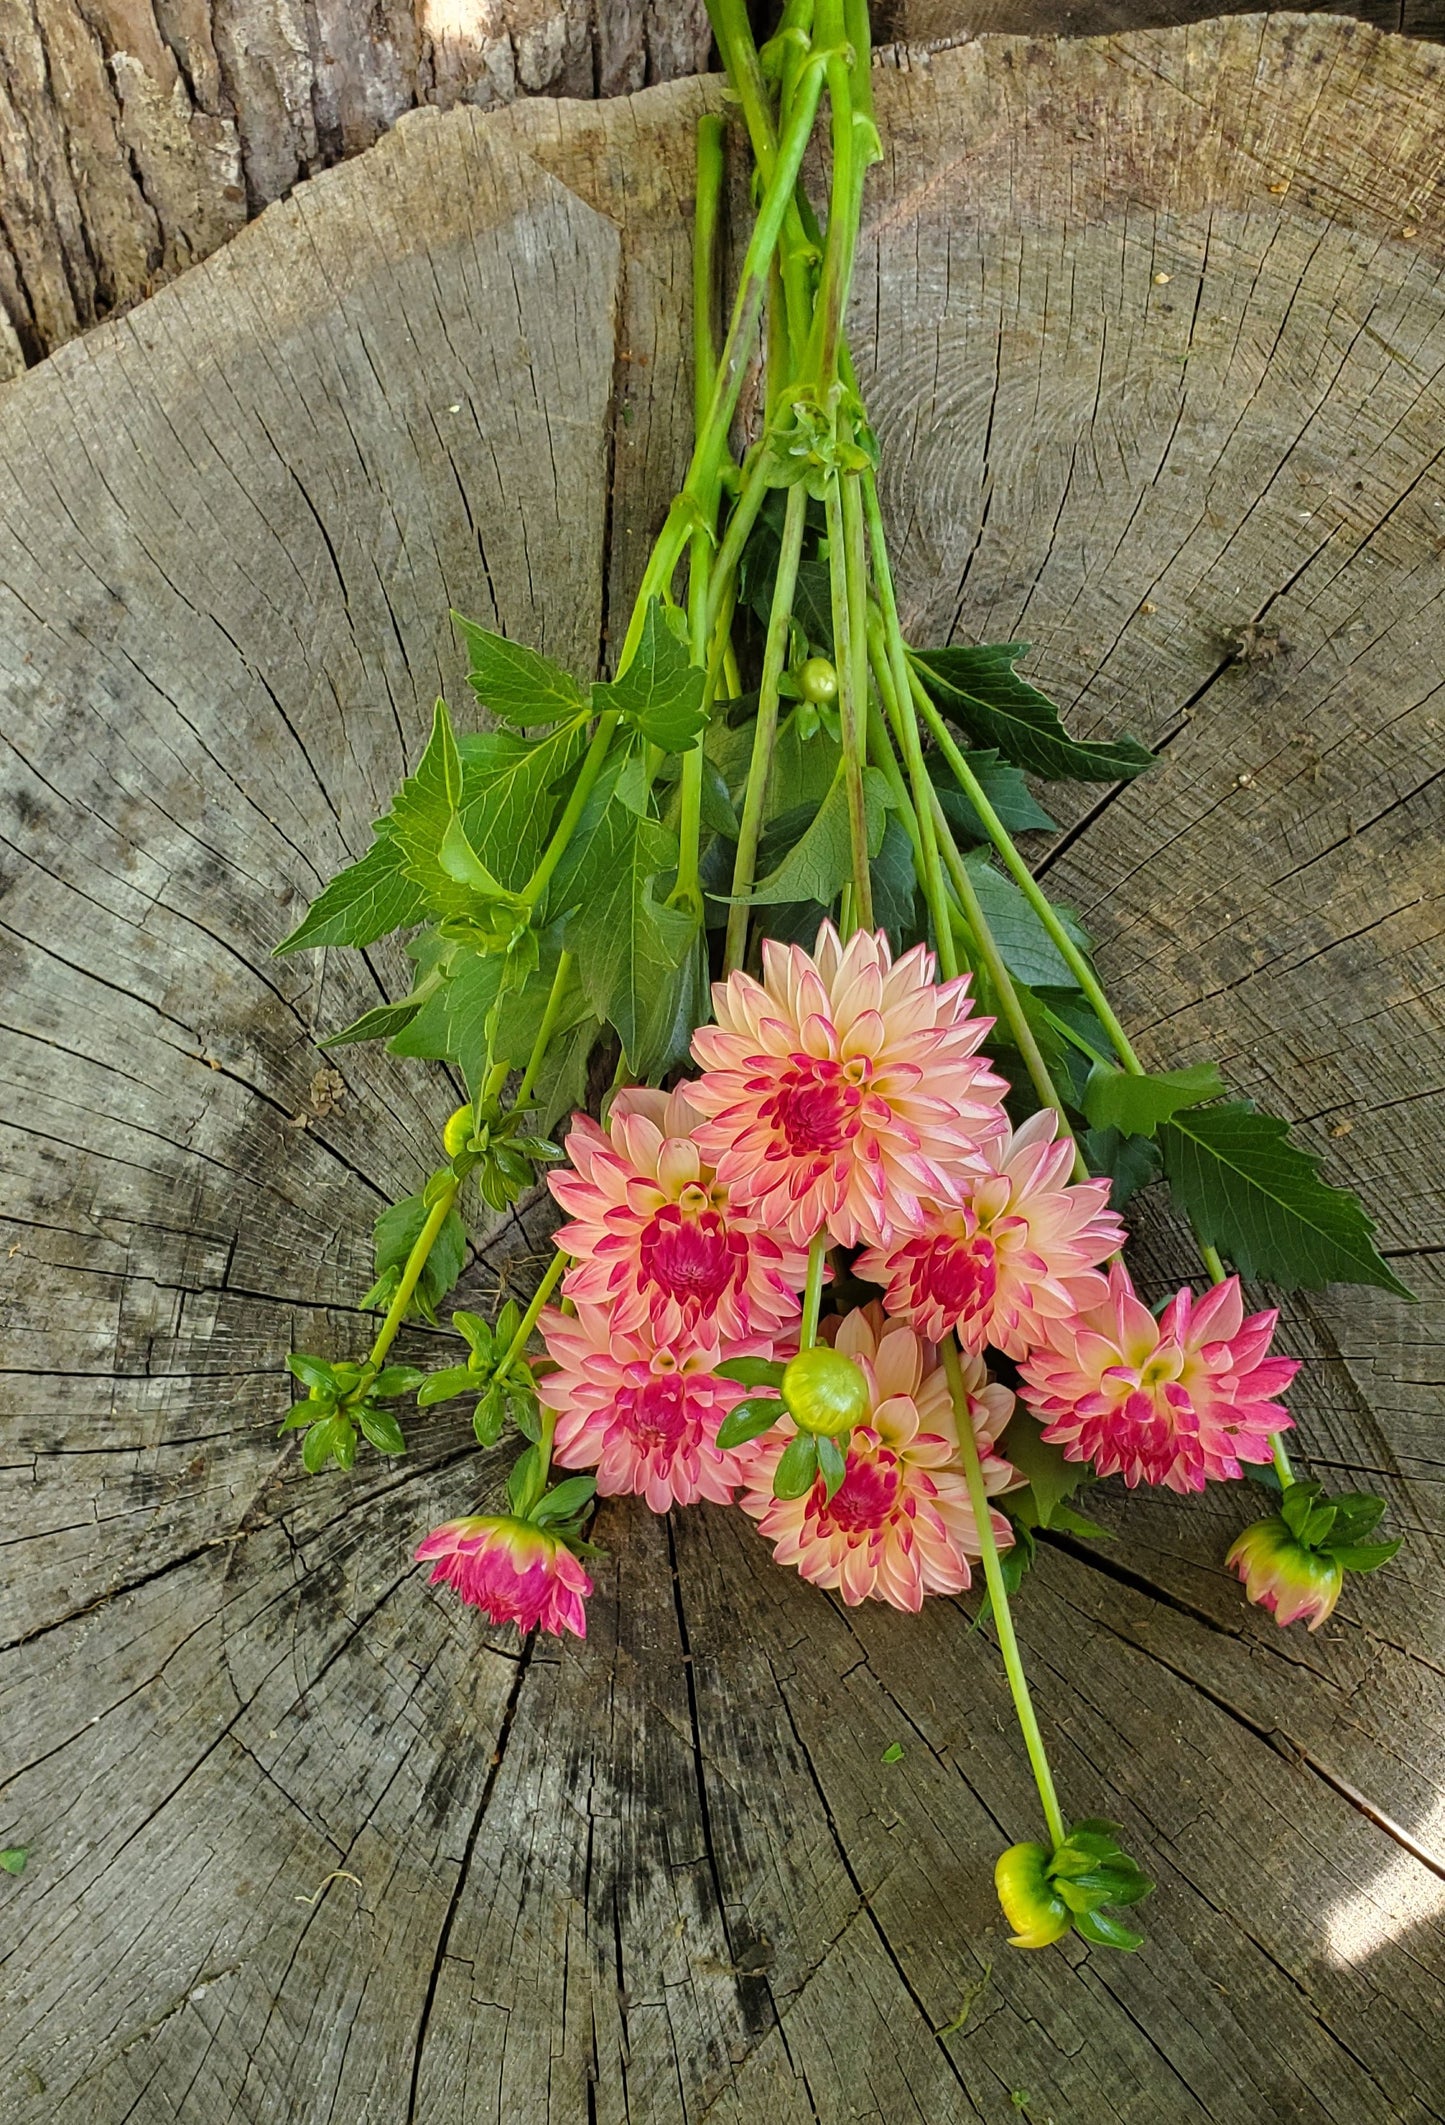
x=661, y=691
x=1131, y=1162
x=1258, y=1198
x=568, y=1498
x=893, y=1753
x=1135, y=1106
x=561, y=1084
x=382, y=1428
x=13, y=1858
x=382, y=1022
x=979, y=690
x=1025, y=946
x=628, y=944
x=832, y=1464
x=753, y=1372
x=1357, y=1513
x=1051, y=1478
x=311, y=1372
x=819, y=865
x=797, y=1471
x=489, y=1416
x=397, y=1232
x=804, y=769
x=895, y=887
x=514, y=682
x=435, y=852
x=332, y=1438
x=1363, y=1556
x=508, y=795
x=1013, y=801
x=1107, y=1932
x=396, y=1380
x=748, y=1420
x=365, y=901
x=442, y=1386
x=524, y=1482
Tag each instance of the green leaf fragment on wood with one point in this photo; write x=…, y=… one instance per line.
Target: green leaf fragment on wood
x=1260, y=1200
x=13, y=1858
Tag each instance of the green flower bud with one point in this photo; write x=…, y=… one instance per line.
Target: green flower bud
x=825, y=1391
x=1031, y=1904
x=458, y=1132
x=818, y=681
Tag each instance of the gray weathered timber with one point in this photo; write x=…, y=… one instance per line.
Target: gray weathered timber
x=667, y=1876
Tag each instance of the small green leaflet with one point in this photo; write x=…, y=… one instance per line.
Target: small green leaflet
x=385, y=1020
x=13, y=1858
x=1258, y=1198
x=365, y=901
x=629, y=945
x=661, y=691
x=1135, y=1106
x=819, y=865
x=980, y=690
x=514, y=682
x=749, y=1420
x=893, y=1753
x=1028, y=951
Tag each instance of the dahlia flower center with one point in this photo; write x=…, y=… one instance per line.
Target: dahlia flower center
x=690, y=1257
x=866, y=1496
x=655, y=1414
x=961, y=1276
x=815, y=1108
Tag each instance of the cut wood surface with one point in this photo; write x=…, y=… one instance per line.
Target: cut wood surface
x=1153, y=329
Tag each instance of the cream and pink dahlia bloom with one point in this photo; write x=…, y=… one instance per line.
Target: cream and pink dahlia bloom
x=652, y=1234
x=842, y=1090
x=900, y=1525
x=512, y=1571
x=641, y=1410
x=1178, y=1401
x=1020, y=1250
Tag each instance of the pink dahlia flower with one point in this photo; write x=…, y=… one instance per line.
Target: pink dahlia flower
x=652, y=1235
x=642, y=1411
x=512, y=1571
x=1176, y=1401
x=900, y=1524
x=1020, y=1250
x=842, y=1090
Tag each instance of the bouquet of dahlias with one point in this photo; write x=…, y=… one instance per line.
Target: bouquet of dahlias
x=844, y=1245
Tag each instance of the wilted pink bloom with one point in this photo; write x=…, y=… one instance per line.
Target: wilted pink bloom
x=843, y=1091
x=512, y=1571
x=1020, y=1250
x=640, y=1410
x=1284, y=1575
x=652, y=1236
x=900, y=1525
x=1179, y=1401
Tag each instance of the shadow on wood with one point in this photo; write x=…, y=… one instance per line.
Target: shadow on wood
x=1154, y=330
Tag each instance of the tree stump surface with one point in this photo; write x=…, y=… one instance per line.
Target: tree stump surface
x=307, y=1840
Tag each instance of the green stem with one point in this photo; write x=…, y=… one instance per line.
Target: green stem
x=416, y=1262
x=847, y=580
x=566, y=826
x=533, y=1314
x=813, y=1290
x=775, y=657
x=926, y=852
x=1023, y=877
x=998, y=1596
x=547, y=1028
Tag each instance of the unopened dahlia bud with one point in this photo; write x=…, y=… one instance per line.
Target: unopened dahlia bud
x=825, y=1391
x=1031, y=1904
x=1284, y=1575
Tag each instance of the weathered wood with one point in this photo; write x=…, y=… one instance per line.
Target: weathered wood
x=135, y=138
x=668, y=1875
